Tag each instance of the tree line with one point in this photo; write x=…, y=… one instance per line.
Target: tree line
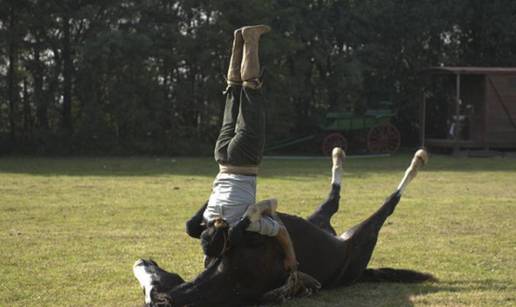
x=146, y=77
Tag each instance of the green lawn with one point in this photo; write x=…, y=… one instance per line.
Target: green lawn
x=70, y=229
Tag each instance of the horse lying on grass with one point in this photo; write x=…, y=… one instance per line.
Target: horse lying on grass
x=252, y=272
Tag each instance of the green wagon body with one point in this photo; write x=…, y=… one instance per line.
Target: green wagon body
x=382, y=136
x=374, y=126
x=347, y=121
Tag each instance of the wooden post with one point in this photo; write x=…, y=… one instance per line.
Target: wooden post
x=422, y=120
x=485, y=106
x=457, y=128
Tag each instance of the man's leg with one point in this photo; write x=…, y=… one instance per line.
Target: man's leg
x=262, y=218
x=231, y=110
x=235, y=63
x=246, y=146
x=227, y=131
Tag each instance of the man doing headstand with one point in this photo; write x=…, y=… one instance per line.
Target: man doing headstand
x=239, y=150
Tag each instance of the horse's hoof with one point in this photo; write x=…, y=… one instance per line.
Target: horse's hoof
x=337, y=156
x=422, y=155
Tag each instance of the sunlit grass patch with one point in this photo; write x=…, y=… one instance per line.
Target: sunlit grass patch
x=70, y=229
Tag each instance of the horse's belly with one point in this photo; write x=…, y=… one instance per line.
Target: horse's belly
x=321, y=260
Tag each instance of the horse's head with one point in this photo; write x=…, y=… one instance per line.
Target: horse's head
x=239, y=276
x=215, y=239
x=153, y=279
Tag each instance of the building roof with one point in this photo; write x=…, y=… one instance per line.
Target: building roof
x=471, y=70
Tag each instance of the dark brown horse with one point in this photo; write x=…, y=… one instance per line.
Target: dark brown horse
x=252, y=271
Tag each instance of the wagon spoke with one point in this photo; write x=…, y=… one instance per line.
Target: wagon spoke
x=333, y=140
x=384, y=138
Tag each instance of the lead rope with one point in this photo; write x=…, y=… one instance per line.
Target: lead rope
x=226, y=244
x=220, y=223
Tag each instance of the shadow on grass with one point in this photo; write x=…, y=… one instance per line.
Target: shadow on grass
x=394, y=294
x=389, y=294
x=207, y=167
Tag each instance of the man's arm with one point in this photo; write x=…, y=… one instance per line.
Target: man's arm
x=195, y=225
x=253, y=214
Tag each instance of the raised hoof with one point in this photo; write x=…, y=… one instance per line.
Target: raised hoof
x=422, y=155
x=337, y=156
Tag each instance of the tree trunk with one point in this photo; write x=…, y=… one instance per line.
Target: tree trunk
x=12, y=87
x=27, y=113
x=67, y=78
x=39, y=99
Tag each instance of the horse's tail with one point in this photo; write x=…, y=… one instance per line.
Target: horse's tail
x=395, y=275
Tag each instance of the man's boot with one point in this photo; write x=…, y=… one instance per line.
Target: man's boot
x=251, y=62
x=255, y=211
x=235, y=62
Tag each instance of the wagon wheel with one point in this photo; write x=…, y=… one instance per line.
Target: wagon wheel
x=333, y=140
x=384, y=138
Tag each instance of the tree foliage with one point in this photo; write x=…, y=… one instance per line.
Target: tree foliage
x=125, y=76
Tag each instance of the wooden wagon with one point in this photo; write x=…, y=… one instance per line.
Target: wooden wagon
x=381, y=136
x=336, y=129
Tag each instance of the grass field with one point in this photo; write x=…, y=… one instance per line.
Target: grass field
x=70, y=229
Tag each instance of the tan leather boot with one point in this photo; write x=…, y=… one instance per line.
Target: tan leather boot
x=234, y=77
x=250, y=70
x=255, y=211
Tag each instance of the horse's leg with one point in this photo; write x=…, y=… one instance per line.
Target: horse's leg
x=361, y=239
x=322, y=215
